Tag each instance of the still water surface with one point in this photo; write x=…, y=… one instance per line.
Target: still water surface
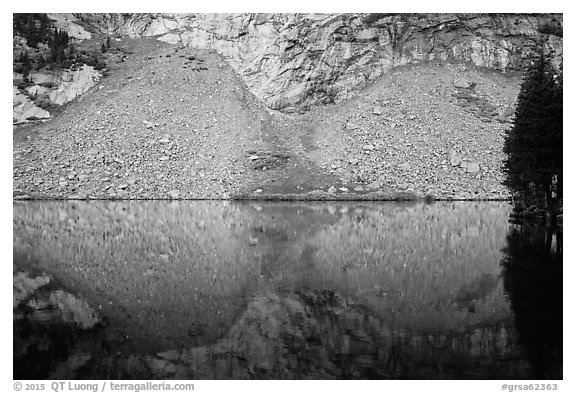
x=219, y=290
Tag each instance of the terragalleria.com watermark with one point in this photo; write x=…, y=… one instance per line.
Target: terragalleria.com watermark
x=105, y=386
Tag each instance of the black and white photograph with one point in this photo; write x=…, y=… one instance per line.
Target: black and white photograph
x=287, y=196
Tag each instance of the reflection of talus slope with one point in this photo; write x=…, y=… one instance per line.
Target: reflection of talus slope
x=165, y=273
x=180, y=273
x=320, y=335
x=418, y=266
x=415, y=260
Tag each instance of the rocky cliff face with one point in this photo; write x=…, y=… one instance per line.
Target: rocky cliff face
x=73, y=83
x=54, y=87
x=23, y=108
x=423, y=126
x=296, y=60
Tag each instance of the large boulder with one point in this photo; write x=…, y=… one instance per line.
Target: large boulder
x=74, y=83
x=45, y=78
x=455, y=159
x=473, y=167
x=36, y=90
x=23, y=108
x=67, y=23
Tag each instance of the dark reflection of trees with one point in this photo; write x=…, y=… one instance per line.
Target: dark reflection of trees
x=533, y=282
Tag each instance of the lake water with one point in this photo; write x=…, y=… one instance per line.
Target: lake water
x=233, y=290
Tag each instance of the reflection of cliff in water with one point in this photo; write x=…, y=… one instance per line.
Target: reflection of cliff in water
x=309, y=335
x=316, y=335
x=51, y=326
x=268, y=290
x=533, y=282
x=179, y=274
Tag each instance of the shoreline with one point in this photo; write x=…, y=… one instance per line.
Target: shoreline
x=273, y=198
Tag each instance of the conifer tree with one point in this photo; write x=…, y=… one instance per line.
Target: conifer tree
x=533, y=145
